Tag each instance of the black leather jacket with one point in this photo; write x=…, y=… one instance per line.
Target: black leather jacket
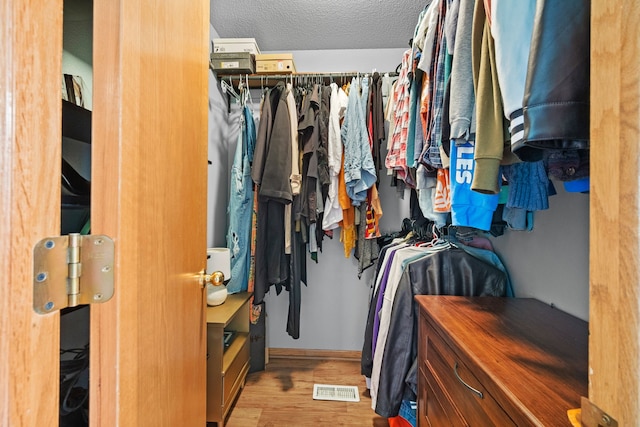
x=448, y=272
x=556, y=98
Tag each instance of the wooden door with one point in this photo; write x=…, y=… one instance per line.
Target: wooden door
x=614, y=276
x=148, y=347
x=148, y=193
x=30, y=152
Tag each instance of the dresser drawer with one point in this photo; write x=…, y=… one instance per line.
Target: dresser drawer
x=465, y=391
x=234, y=375
x=527, y=359
x=434, y=406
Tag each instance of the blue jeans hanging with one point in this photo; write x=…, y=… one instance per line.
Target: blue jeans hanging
x=241, y=206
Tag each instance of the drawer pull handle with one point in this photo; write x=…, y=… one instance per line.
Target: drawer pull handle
x=476, y=391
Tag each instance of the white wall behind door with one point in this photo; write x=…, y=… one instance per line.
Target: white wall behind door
x=220, y=156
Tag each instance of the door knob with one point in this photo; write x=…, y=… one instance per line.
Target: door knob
x=216, y=278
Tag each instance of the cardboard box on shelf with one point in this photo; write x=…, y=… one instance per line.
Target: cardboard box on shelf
x=275, y=63
x=233, y=63
x=235, y=45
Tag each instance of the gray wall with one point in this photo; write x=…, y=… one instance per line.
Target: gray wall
x=550, y=263
x=346, y=60
x=220, y=156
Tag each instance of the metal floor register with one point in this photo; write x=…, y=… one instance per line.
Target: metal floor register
x=336, y=392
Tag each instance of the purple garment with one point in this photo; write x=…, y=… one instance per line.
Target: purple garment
x=382, y=287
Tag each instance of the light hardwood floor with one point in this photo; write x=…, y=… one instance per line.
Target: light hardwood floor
x=282, y=396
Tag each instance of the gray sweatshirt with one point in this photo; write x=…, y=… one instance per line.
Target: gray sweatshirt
x=462, y=96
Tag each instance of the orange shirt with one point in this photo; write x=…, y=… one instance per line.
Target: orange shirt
x=348, y=234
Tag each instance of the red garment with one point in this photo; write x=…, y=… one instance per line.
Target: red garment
x=398, y=422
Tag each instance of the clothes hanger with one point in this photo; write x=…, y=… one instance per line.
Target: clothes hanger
x=247, y=94
x=240, y=84
x=242, y=91
x=227, y=88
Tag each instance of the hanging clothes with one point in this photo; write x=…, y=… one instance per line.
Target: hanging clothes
x=446, y=268
x=396, y=158
x=375, y=305
x=462, y=93
x=359, y=169
x=348, y=232
x=296, y=176
x=511, y=30
x=556, y=96
x=492, y=144
x=393, y=280
x=297, y=277
x=308, y=136
x=468, y=208
x=430, y=154
x=377, y=118
x=338, y=104
x=367, y=248
x=240, y=208
x=324, y=177
x=271, y=171
x=449, y=271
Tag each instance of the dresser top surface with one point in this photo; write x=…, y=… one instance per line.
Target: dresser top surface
x=223, y=313
x=528, y=351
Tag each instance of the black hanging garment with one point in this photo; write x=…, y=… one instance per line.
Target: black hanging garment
x=271, y=171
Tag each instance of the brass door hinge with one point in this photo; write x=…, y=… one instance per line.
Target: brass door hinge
x=72, y=270
x=592, y=416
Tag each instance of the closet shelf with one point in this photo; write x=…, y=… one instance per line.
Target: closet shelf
x=76, y=122
x=268, y=80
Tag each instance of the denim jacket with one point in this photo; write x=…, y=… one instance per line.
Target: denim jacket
x=359, y=169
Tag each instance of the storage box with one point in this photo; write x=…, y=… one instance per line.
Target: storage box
x=235, y=45
x=275, y=63
x=233, y=63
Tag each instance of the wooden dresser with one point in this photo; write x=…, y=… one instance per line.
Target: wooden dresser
x=489, y=361
x=227, y=363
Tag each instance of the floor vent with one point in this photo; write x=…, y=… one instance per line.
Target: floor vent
x=336, y=392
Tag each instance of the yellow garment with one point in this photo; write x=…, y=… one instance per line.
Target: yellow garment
x=346, y=88
x=348, y=232
x=574, y=417
x=374, y=213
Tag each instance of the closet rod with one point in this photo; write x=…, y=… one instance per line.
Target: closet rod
x=268, y=80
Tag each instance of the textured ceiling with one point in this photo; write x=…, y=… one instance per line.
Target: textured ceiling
x=321, y=24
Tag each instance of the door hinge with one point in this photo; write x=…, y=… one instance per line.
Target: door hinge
x=72, y=270
x=592, y=416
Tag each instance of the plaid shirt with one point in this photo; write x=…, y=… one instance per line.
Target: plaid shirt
x=397, y=155
x=431, y=151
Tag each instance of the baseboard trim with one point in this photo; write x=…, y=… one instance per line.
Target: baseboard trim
x=298, y=353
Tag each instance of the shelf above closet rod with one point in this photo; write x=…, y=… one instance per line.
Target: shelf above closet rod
x=268, y=80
